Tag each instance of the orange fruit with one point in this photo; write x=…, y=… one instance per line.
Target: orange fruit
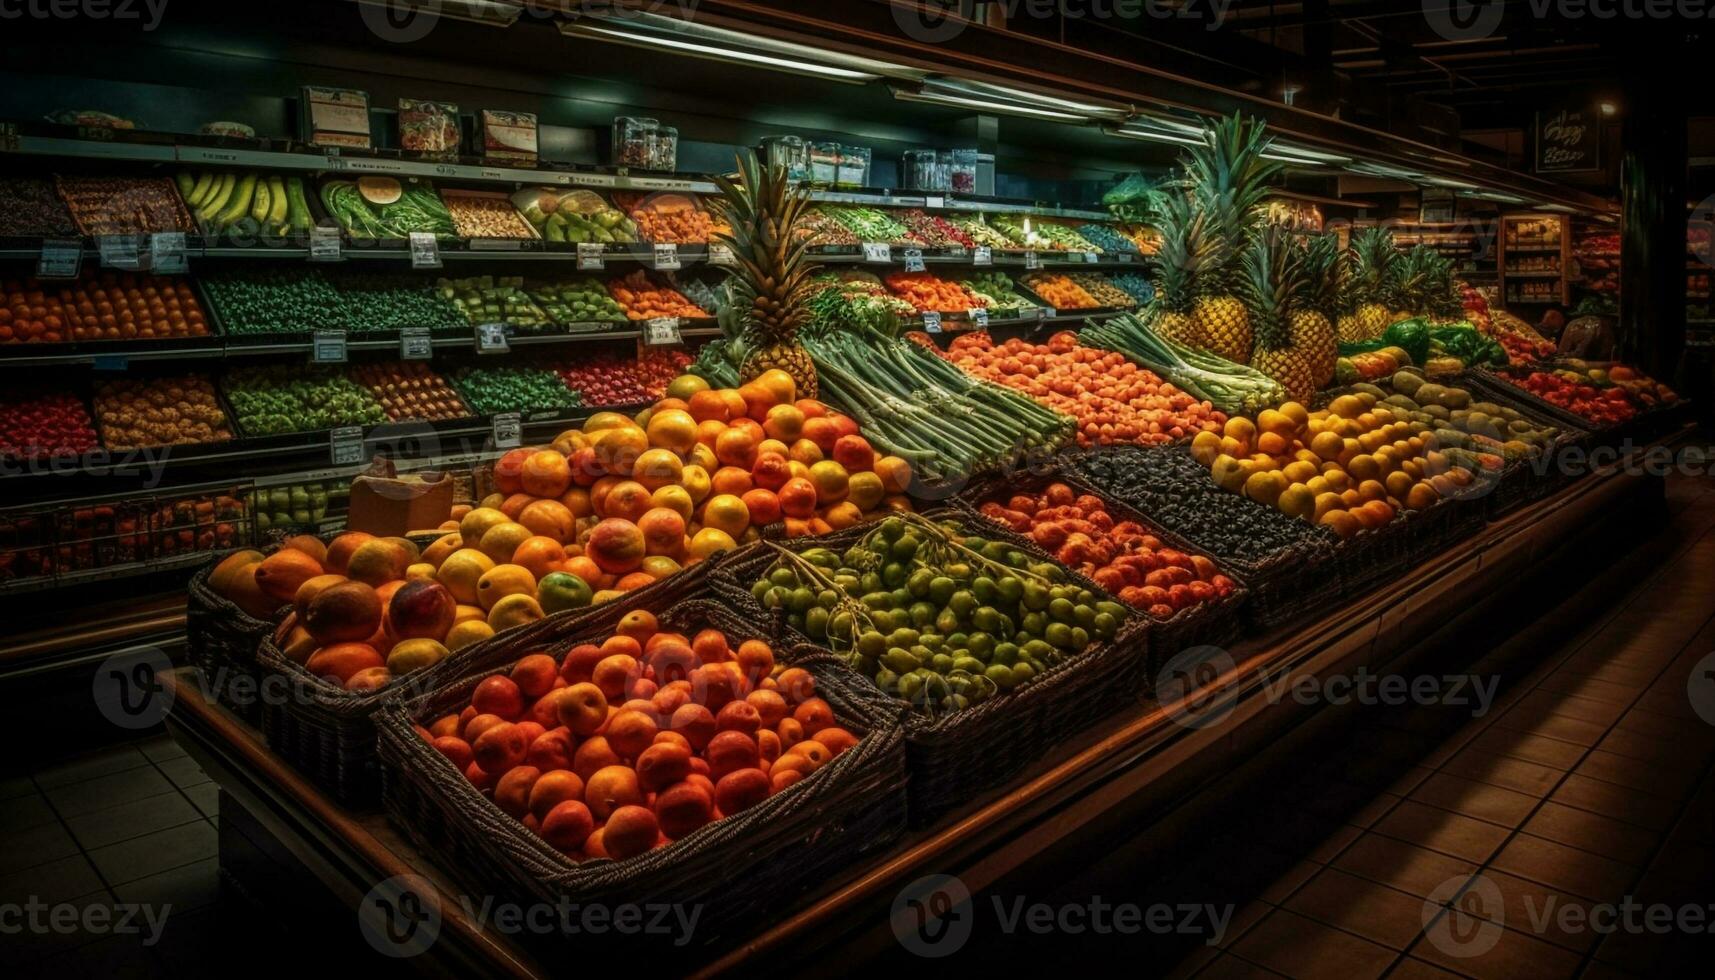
x=673, y=429
x=657, y=468
x=696, y=481
x=736, y=447
x=707, y=406
x=545, y=474
x=617, y=449
x=539, y=556
x=736, y=407
x=758, y=399
x=784, y=422
x=726, y=512
x=281, y=573
x=628, y=500
x=732, y=479
x=842, y=515
x=577, y=501
x=895, y=473
x=548, y=518
x=804, y=451
x=798, y=498
x=780, y=383
x=763, y=505
x=831, y=481
x=674, y=498
x=663, y=531
x=710, y=542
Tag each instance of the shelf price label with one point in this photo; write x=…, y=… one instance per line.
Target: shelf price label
x=415, y=344
x=1124, y=256
x=721, y=254
x=425, y=250
x=328, y=347
x=508, y=430
x=325, y=245
x=666, y=256
x=982, y=255
x=979, y=317
x=345, y=445
x=1032, y=260
x=120, y=251
x=934, y=202
x=491, y=338
x=932, y=321
x=877, y=252
x=62, y=258
x=591, y=256
x=1091, y=258
x=913, y=260
x=661, y=332
x=167, y=252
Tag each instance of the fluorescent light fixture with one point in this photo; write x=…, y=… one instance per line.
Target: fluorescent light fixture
x=1132, y=133
x=694, y=40
x=985, y=105
x=1460, y=185
x=1502, y=198
x=1382, y=170
x=486, y=12
x=971, y=89
x=1160, y=129
x=1561, y=208
x=1293, y=153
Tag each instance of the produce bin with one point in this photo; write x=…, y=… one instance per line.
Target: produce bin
x=223, y=641
x=953, y=758
x=731, y=869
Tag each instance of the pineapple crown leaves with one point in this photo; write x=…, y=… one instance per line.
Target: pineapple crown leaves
x=1327, y=268
x=1374, y=261
x=1229, y=175
x=1188, y=245
x=762, y=208
x=1273, y=283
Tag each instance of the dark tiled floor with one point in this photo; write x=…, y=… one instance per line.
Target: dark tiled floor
x=128, y=826
x=1479, y=847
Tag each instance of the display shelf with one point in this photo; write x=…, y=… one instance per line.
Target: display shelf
x=947, y=201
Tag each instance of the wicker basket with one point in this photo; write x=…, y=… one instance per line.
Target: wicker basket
x=328, y=733
x=954, y=757
x=222, y=640
x=1213, y=623
x=731, y=870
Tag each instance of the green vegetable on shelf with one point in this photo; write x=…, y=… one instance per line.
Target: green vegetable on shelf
x=490, y=299
x=279, y=399
x=580, y=300
x=488, y=390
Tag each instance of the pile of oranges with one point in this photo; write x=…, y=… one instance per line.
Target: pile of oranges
x=672, y=218
x=644, y=299
x=107, y=306
x=1060, y=291
x=930, y=292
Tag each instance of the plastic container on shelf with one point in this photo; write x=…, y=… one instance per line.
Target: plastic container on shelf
x=824, y=164
x=961, y=171
x=789, y=152
x=664, y=148
x=631, y=140
x=854, y=167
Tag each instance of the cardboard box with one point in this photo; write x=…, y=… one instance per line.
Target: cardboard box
x=391, y=506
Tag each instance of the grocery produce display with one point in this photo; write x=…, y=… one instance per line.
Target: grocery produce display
x=249, y=299
x=1000, y=292
x=819, y=227
x=602, y=756
x=1602, y=397
x=278, y=509
x=247, y=204
x=103, y=305
x=927, y=291
x=279, y=399
x=1063, y=237
x=1439, y=348
x=512, y=388
x=37, y=424
x=495, y=299
x=376, y=208
x=30, y=207
x=937, y=617
x=1137, y=287
x=870, y=224
x=136, y=414
x=574, y=216
x=1108, y=239
x=609, y=379
x=1112, y=399
x=484, y=214
x=979, y=231
x=211, y=522
x=1233, y=388
x=934, y=230
x=1060, y=291
x=1462, y=418
x=124, y=205
x=645, y=298
x=410, y=391
x=1121, y=556
x=582, y=299
x=852, y=298
x=1103, y=291
x=1020, y=232
x=677, y=218
x=1352, y=466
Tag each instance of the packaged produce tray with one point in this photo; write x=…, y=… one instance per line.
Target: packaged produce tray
x=1287, y=583
x=760, y=858
x=328, y=733
x=951, y=757
x=1215, y=622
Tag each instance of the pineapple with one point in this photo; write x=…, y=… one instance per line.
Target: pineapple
x=1374, y=276
x=769, y=286
x=1274, y=288
x=1185, y=248
x=1228, y=180
x=1325, y=271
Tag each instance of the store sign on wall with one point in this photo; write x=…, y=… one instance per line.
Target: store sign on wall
x=1568, y=141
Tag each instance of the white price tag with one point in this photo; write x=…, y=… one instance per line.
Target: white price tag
x=661, y=331
x=666, y=256
x=982, y=255
x=345, y=445
x=934, y=202
x=1032, y=260
x=913, y=260
x=979, y=317
x=328, y=347
x=491, y=338
x=62, y=258
x=508, y=430
x=877, y=252
x=590, y=256
x=119, y=251
x=721, y=254
x=425, y=250
x=167, y=252
x=932, y=321
x=1091, y=258
x=1124, y=257
x=415, y=344
x=325, y=245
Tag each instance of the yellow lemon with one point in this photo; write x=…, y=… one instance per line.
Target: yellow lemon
x=502, y=581
x=461, y=571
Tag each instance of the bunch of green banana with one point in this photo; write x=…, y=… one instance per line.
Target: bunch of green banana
x=246, y=204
